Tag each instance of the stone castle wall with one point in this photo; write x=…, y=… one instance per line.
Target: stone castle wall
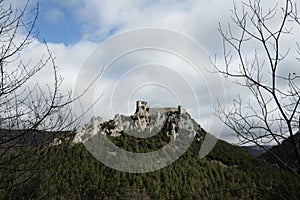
x=142, y=108
x=164, y=110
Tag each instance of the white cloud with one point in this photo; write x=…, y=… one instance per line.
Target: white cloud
x=196, y=18
x=54, y=15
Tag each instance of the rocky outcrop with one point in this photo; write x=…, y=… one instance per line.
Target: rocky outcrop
x=86, y=131
x=145, y=122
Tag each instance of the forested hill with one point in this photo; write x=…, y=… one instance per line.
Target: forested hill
x=70, y=172
x=65, y=169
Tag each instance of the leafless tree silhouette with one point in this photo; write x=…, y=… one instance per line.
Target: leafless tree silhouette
x=257, y=59
x=31, y=114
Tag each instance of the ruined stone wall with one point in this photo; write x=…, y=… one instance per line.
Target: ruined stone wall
x=164, y=110
x=143, y=110
x=144, y=120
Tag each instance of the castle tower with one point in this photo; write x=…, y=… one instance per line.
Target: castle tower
x=179, y=109
x=142, y=113
x=142, y=108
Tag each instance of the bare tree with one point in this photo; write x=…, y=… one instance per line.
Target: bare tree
x=30, y=114
x=257, y=58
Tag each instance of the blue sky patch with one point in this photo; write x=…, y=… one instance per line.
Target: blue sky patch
x=58, y=24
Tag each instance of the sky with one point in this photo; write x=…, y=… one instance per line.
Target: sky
x=75, y=29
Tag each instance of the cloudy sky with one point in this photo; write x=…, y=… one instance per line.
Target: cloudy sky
x=75, y=29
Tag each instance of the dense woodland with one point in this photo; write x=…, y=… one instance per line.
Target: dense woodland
x=71, y=172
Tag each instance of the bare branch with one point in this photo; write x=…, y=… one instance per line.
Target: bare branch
x=272, y=112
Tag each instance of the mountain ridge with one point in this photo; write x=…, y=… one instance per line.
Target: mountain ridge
x=227, y=172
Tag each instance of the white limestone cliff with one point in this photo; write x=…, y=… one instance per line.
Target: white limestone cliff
x=145, y=119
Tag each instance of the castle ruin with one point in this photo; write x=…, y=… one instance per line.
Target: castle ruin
x=143, y=110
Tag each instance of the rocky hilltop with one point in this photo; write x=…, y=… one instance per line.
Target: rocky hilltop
x=73, y=172
x=144, y=123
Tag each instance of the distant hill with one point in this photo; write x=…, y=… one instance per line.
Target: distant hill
x=69, y=171
x=30, y=137
x=256, y=150
x=284, y=152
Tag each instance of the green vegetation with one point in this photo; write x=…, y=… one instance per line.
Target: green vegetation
x=228, y=172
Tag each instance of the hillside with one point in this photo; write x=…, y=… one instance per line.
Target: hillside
x=256, y=150
x=283, y=152
x=69, y=171
x=227, y=173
